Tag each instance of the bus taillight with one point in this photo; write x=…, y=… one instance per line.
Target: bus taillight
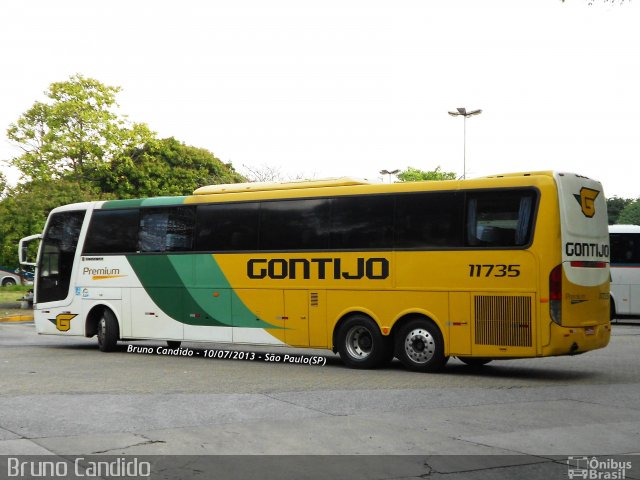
x=555, y=294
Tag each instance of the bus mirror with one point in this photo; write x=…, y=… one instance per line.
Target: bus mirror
x=25, y=254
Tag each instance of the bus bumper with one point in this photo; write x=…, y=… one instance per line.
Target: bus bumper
x=574, y=340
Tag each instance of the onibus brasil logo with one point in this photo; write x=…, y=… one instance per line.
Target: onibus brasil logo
x=593, y=468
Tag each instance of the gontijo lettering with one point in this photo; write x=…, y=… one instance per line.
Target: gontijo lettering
x=318, y=268
x=587, y=250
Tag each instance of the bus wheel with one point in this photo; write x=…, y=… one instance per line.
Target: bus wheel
x=360, y=343
x=173, y=344
x=612, y=309
x=108, y=332
x=476, y=361
x=419, y=346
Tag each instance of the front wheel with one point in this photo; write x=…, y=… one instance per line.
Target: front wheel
x=108, y=332
x=361, y=344
x=420, y=347
x=8, y=281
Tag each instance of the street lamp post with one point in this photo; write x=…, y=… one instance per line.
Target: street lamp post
x=387, y=172
x=463, y=112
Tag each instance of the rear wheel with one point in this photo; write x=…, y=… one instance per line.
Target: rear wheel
x=419, y=346
x=8, y=281
x=108, y=332
x=173, y=344
x=361, y=344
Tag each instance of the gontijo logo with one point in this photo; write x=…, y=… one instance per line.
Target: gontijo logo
x=587, y=201
x=63, y=321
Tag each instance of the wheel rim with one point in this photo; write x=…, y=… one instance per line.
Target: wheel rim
x=359, y=342
x=419, y=345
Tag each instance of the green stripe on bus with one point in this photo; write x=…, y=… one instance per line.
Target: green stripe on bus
x=192, y=289
x=143, y=202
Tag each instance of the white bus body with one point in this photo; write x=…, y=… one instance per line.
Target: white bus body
x=625, y=270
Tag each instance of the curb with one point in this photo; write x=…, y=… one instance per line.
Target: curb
x=17, y=318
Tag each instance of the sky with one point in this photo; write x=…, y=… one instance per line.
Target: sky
x=337, y=88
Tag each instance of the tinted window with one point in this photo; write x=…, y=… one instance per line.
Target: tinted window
x=166, y=229
x=429, y=220
x=227, y=227
x=362, y=222
x=294, y=225
x=500, y=218
x=625, y=248
x=58, y=251
x=112, y=231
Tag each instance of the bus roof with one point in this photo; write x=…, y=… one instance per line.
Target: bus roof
x=624, y=229
x=265, y=186
x=312, y=188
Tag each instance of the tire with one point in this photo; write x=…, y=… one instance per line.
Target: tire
x=108, y=332
x=173, y=344
x=612, y=310
x=361, y=344
x=420, y=347
x=475, y=362
x=8, y=281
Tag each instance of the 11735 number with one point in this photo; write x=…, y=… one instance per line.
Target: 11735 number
x=494, y=270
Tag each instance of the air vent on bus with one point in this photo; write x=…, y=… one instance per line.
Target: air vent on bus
x=314, y=299
x=503, y=320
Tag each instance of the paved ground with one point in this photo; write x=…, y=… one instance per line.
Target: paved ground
x=522, y=417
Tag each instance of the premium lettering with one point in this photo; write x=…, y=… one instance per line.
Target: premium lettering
x=100, y=271
x=318, y=268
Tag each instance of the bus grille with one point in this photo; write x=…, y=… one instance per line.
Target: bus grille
x=503, y=320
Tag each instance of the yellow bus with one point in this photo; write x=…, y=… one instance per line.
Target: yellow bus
x=508, y=266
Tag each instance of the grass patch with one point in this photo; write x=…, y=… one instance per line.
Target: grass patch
x=11, y=293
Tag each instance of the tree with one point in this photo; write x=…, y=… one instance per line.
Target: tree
x=412, y=174
x=270, y=173
x=3, y=184
x=162, y=167
x=25, y=208
x=630, y=215
x=615, y=205
x=74, y=131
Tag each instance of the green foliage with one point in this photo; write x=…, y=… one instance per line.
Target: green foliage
x=412, y=174
x=630, y=215
x=76, y=147
x=3, y=184
x=26, y=207
x=75, y=130
x=162, y=167
x=615, y=205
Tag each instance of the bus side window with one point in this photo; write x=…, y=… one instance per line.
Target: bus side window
x=500, y=219
x=625, y=248
x=364, y=222
x=428, y=220
x=227, y=227
x=167, y=229
x=112, y=231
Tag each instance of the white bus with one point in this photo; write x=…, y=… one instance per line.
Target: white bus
x=625, y=270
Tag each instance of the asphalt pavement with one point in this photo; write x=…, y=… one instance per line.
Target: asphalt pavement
x=61, y=396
